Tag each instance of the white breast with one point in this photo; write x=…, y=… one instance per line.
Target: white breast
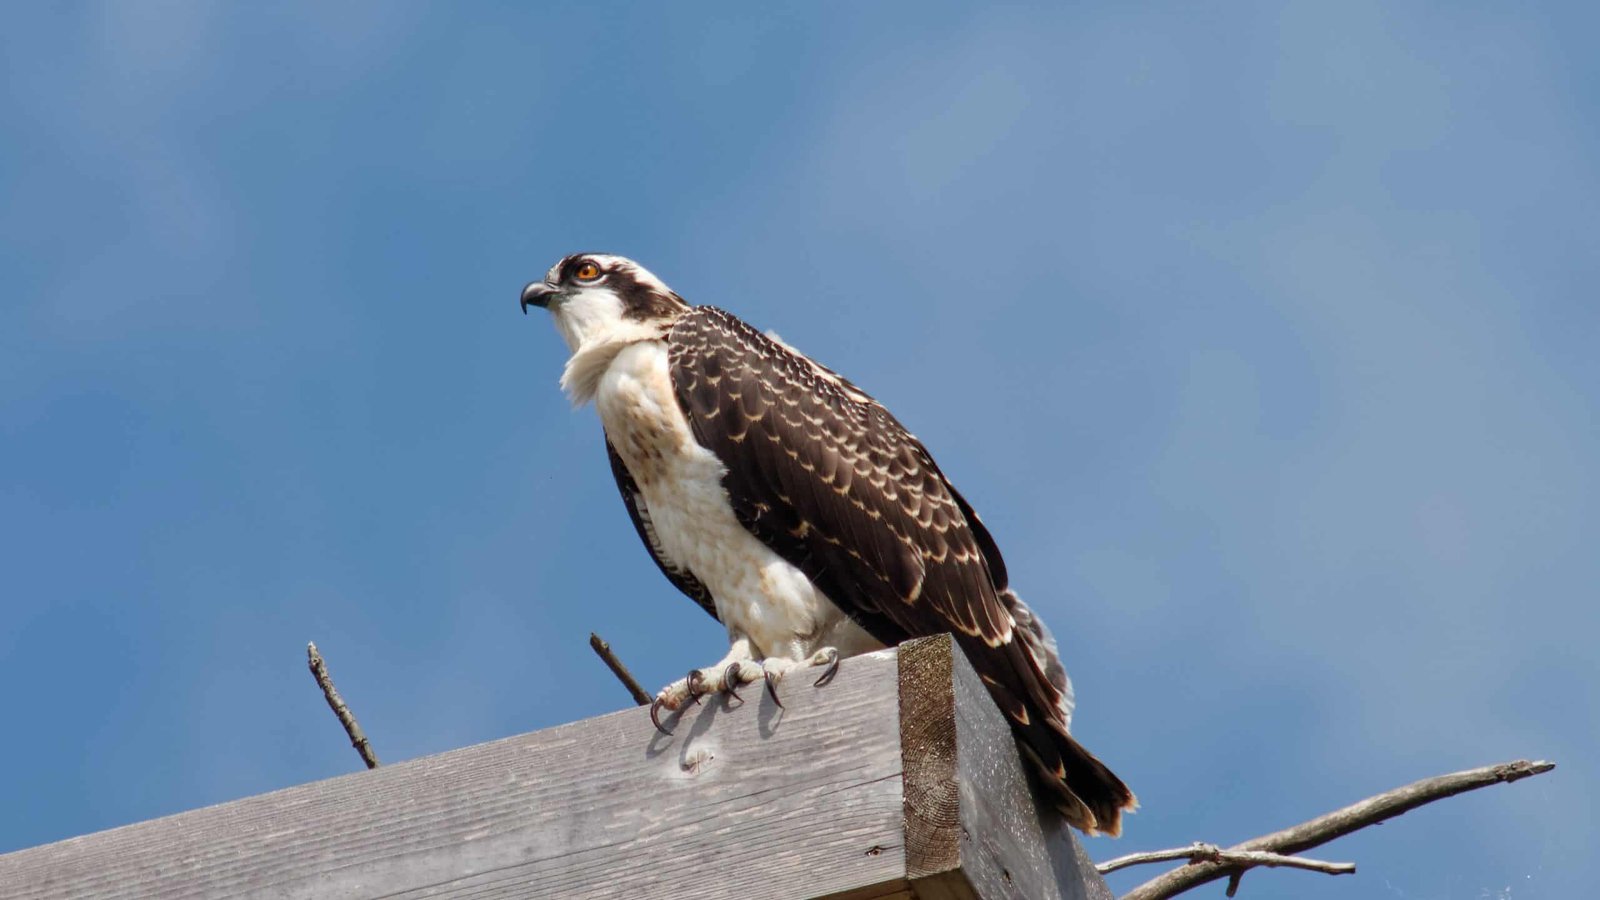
x=757, y=594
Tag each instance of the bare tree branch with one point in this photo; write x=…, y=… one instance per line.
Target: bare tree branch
x=603, y=650
x=1336, y=824
x=358, y=739
x=1198, y=852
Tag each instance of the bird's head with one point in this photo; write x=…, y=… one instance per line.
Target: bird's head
x=592, y=296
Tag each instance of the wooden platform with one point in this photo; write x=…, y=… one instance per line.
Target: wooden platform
x=899, y=779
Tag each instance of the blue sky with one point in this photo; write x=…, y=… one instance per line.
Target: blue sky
x=1262, y=336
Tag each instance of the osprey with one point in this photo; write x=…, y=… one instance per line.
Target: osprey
x=796, y=510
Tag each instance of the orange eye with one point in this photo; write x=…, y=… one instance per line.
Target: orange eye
x=587, y=272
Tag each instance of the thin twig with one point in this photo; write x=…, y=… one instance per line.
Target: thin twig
x=1336, y=824
x=358, y=739
x=1198, y=852
x=603, y=650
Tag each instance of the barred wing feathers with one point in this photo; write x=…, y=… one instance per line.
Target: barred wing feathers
x=826, y=477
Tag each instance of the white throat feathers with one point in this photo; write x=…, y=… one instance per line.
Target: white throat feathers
x=591, y=321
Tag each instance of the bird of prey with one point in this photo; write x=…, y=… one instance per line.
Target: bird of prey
x=796, y=510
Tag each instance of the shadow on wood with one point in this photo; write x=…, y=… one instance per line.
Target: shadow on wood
x=899, y=779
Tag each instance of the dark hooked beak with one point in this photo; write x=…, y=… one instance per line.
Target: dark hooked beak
x=538, y=294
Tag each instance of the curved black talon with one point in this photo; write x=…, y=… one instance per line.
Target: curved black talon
x=827, y=675
x=730, y=682
x=655, y=717
x=696, y=680
x=772, y=688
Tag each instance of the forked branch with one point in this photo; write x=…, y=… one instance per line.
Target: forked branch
x=1198, y=852
x=1276, y=848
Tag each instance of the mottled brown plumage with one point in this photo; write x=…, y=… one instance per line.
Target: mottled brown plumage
x=828, y=478
x=794, y=508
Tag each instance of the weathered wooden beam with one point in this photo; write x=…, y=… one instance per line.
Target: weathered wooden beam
x=972, y=829
x=898, y=779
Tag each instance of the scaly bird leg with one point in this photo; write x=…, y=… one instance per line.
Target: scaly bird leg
x=774, y=668
x=736, y=669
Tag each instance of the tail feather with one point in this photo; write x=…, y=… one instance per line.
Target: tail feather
x=1087, y=793
x=1031, y=687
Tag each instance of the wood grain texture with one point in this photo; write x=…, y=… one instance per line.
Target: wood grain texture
x=746, y=802
x=972, y=826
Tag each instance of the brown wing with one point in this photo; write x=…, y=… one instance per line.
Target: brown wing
x=828, y=479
